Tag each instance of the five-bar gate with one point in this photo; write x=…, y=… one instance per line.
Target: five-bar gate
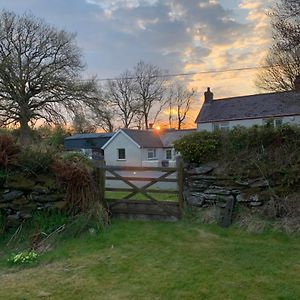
x=137, y=181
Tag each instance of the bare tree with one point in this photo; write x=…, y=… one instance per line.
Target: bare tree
x=39, y=72
x=285, y=20
x=120, y=94
x=104, y=118
x=283, y=60
x=82, y=124
x=180, y=101
x=100, y=112
x=150, y=89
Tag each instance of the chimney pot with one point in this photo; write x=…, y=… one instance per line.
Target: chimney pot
x=208, y=96
x=297, y=84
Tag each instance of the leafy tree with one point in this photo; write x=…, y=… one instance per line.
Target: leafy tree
x=283, y=60
x=39, y=72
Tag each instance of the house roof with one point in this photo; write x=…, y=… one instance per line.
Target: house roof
x=144, y=138
x=152, y=138
x=84, y=136
x=250, y=107
x=169, y=137
x=87, y=141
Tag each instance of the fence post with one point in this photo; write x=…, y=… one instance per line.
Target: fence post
x=100, y=180
x=180, y=181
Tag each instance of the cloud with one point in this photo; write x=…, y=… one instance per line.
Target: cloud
x=181, y=36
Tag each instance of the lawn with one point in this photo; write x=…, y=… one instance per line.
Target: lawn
x=154, y=260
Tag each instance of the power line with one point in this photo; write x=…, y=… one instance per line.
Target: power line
x=185, y=74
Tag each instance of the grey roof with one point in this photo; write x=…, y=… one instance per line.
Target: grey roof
x=89, y=136
x=169, y=137
x=145, y=138
x=250, y=107
x=87, y=141
x=156, y=139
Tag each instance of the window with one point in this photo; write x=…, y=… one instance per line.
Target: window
x=221, y=126
x=215, y=126
x=169, y=154
x=151, y=153
x=268, y=122
x=87, y=152
x=272, y=122
x=278, y=122
x=224, y=126
x=121, y=153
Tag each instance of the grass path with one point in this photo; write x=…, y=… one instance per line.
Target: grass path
x=152, y=260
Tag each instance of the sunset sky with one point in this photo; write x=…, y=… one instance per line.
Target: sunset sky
x=177, y=35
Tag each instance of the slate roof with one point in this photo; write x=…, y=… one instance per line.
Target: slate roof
x=156, y=139
x=169, y=137
x=80, y=136
x=87, y=141
x=145, y=138
x=250, y=107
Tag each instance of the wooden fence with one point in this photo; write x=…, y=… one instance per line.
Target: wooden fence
x=151, y=207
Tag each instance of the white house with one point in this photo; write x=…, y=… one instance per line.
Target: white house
x=279, y=108
x=147, y=148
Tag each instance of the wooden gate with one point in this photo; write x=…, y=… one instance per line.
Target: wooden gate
x=137, y=183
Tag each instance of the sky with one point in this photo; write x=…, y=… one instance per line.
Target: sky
x=176, y=35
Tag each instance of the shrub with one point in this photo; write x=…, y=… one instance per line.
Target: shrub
x=77, y=158
x=81, y=191
x=8, y=151
x=199, y=147
x=260, y=151
x=56, y=137
x=36, y=160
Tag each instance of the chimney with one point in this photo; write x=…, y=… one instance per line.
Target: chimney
x=208, y=96
x=297, y=84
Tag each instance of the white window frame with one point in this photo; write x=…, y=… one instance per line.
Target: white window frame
x=151, y=153
x=275, y=122
x=119, y=154
x=278, y=122
x=170, y=152
x=220, y=125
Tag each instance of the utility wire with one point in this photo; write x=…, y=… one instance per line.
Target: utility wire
x=185, y=74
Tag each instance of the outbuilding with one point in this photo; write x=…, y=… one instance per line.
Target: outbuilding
x=89, y=143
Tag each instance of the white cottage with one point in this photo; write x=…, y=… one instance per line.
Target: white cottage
x=279, y=108
x=147, y=148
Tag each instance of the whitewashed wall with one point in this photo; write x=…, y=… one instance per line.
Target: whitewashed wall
x=159, y=154
x=133, y=152
x=248, y=123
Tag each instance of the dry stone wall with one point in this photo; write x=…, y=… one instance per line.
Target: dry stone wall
x=21, y=196
x=204, y=187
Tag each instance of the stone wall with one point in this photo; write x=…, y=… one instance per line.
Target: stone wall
x=20, y=196
x=205, y=187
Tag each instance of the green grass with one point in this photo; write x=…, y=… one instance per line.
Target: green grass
x=154, y=260
x=139, y=196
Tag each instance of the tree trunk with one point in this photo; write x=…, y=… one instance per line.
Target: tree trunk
x=25, y=133
x=146, y=121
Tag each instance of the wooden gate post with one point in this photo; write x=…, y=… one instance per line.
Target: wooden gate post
x=180, y=181
x=100, y=181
